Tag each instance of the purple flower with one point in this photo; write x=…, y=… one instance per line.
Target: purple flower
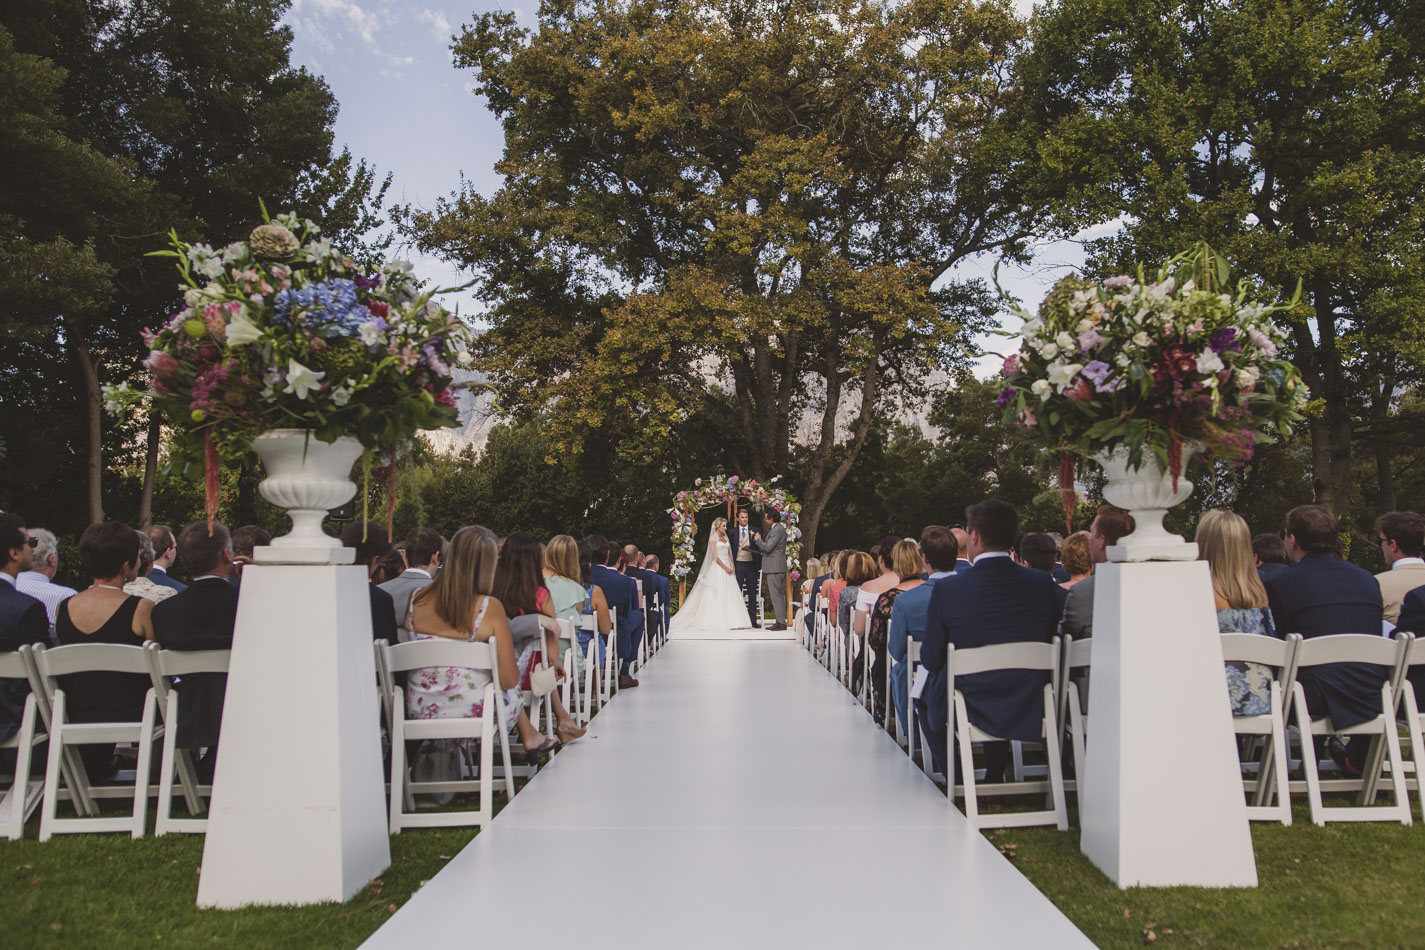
x=1122, y=280
x=368, y=283
x=733, y=480
x=1097, y=371
x=1090, y=340
x=1006, y=396
x=1225, y=341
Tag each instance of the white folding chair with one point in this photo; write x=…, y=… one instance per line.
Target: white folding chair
x=385, y=685
x=90, y=658
x=912, y=658
x=1409, y=707
x=1280, y=655
x=589, y=701
x=609, y=679
x=643, y=654
x=1006, y=656
x=1077, y=657
x=489, y=728
x=163, y=666
x=1353, y=648
x=24, y=795
x=569, y=689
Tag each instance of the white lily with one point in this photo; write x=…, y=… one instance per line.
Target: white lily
x=1062, y=375
x=1041, y=388
x=241, y=330
x=301, y=380
x=1208, y=362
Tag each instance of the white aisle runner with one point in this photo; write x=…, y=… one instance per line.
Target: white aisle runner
x=737, y=798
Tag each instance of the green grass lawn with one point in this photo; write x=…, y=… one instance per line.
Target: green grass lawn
x=1345, y=885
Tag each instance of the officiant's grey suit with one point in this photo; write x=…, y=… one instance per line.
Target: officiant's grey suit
x=774, y=568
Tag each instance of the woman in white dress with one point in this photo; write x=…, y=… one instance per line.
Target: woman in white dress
x=715, y=602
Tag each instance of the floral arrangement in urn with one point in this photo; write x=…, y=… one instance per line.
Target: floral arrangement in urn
x=1149, y=366
x=282, y=335
x=724, y=490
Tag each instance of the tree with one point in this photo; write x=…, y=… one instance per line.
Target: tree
x=1289, y=134
x=743, y=216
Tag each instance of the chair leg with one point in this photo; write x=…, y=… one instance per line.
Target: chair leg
x=967, y=764
x=399, y=785
x=503, y=724
x=143, y=767
x=1076, y=739
x=20, y=788
x=52, y=769
x=1412, y=724
x=1278, y=758
x=487, y=757
x=1056, y=764
x=166, y=766
x=1308, y=758
x=1393, y=756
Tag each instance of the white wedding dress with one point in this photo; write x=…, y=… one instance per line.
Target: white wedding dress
x=715, y=603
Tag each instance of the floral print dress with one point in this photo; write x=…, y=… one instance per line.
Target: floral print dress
x=1249, y=685
x=456, y=692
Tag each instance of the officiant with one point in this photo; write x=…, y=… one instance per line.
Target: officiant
x=747, y=563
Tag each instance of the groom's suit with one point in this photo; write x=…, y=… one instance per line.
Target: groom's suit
x=746, y=568
x=774, y=569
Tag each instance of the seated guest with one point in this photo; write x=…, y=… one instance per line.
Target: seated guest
x=1223, y=541
x=831, y=590
x=423, y=547
x=38, y=581
x=804, y=615
x=995, y=601
x=1401, y=535
x=458, y=605
x=1078, y=559
x=246, y=541
x=1269, y=551
x=520, y=589
x=826, y=562
x=103, y=613
x=651, y=566
x=860, y=569
x=1110, y=525
x=201, y=618
x=391, y=566
x=908, y=567
x=1037, y=550
x=141, y=585
x=962, y=540
x=941, y=552
x=1321, y=595
x=568, y=595
x=23, y=621
x=635, y=569
x=1412, y=618
x=596, y=606
x=1059, y=573
x=871, y=591
x=620, y=593
x=369, y=552
x=165, y=553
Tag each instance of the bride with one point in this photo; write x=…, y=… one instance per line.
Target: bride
x=715, y=602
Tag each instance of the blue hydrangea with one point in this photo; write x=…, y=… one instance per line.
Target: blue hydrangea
x=330, y=305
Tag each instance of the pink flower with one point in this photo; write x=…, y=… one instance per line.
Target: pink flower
x=160, y=363
x=1028, y=419
x=1080, y=391
x=444, y=398
x=1011, y=364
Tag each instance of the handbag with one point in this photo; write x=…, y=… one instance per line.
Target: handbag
x=543, y=680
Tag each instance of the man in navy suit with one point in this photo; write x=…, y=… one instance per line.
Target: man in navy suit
x=22, y=618
x=1321, y=595
x=995, y=601
x=1412, y=618
x=746, y=563
x=650, y=567
x=635, y=569
x=201, y=617
x=165, y=552
x=622, y=595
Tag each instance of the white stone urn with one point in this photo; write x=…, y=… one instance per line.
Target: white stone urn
x=308, y=477
x=1147, y=492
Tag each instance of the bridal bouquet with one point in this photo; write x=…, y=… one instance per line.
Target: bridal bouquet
x=283, y=330
x=1149, y=365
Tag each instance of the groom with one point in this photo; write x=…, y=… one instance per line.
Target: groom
x=774, y=564
x=745, y=558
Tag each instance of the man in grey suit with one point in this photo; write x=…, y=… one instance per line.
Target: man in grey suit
x=423, y=547
x=774, y=564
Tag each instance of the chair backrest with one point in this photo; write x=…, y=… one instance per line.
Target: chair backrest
x=1415, y=649
x=1078, y=654
x=470, y=654
x=1349, y=648
x=13, y=665
x=90, y=658
x=912, y=650
x=1256, y=648
x=1005, y=656
x=587, y=622
x=183, y=662
x=566, y=628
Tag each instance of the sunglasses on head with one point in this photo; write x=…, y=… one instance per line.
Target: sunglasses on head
x=32, y=542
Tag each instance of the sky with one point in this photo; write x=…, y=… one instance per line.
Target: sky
x=408, y=110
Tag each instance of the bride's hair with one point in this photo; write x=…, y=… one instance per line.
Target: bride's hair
x=719, y=523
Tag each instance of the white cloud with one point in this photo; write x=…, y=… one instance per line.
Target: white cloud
x=324, y=23
x=439, y=25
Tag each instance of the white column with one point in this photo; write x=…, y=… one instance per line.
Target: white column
x=298, y=811
x=1161, y=800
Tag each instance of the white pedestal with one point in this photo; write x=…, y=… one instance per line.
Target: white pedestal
x=1161, y=801
x=298, y=811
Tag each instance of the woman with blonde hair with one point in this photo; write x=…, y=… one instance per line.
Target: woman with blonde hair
x=1225, y=542
x=1077, y=558
x=909, y=565
x=715, y=603
x=458, y=605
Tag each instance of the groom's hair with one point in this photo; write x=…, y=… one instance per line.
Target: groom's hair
x=772, y=515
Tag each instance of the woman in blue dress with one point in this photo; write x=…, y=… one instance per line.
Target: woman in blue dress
x=1225, y=542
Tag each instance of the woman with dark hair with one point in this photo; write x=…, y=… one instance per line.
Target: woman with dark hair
x=519, y=585
x=908, y=566
x=103, y=613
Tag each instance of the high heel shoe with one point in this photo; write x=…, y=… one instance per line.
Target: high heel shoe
x=568, y=733
x=534, y=757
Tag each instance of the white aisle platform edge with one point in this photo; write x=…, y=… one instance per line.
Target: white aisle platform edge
x=1161, y=801
x=298, y=811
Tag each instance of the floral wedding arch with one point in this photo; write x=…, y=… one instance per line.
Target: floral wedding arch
x=732, y=491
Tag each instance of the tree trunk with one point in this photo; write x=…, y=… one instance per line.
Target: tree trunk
x=94, y=408
x=1385, y=476
x=150, y=469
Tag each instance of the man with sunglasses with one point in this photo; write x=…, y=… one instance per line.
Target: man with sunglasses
x=1401, y=536
x=22, y=618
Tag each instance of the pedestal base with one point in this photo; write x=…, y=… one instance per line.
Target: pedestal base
x=298, y=811
x=1161, y=801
